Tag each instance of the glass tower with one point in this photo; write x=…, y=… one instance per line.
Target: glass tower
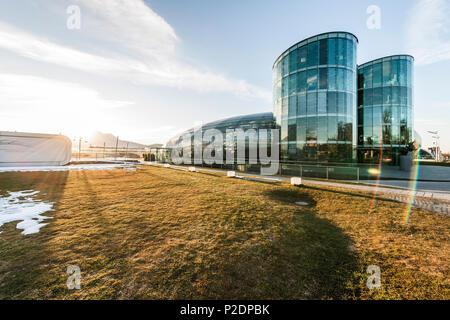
x=385, y=109
x=314, y=98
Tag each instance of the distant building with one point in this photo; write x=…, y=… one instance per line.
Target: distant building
x=19, y=149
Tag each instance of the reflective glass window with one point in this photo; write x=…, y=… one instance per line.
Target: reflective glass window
x=350, y=54
x=301, y=105
x=377, y=96
x=332, y=102
x=387, y=95
x=368, y=97
x=301, y=81
x=322, y=129
x=313, y=54
x=332, y=51
x=301, y=57
x=395, y=73
x=312, y=79
x=341, y=52
x=292, y=83
x=292, y=106
x=377, y=74
x=323, y=78
x=312, y=103
x=311, y=128
x=293, y=61
x=301, y=129
x=323, y=52
x=395, y=95
x=377, y=116
x=368, y=76
x=332, y=128
x=285, y=65
x=387, y=73
x=322, y=103
x=331, y=78
x=387, y=115
x=367, y=116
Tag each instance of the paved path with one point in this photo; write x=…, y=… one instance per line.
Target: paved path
x=438, y=202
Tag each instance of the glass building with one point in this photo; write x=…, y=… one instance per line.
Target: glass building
x=246, y=122
x=385, y=109
x=314, y=98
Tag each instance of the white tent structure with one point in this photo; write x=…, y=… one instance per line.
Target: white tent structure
x=19, y=149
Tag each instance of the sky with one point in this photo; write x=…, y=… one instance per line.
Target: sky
x=147, y=70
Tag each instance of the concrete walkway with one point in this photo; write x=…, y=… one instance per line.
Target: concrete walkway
x=434, y=201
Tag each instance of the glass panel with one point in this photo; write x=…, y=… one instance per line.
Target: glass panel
x=368, y=134
x=368, y=76
x=312, y=103
x=313, y=54
x=292, y=83
x=403, y=96
x=377, y=74
x=322, y=128
x=395, y=72
x=285, y=86
x=323, y=52
x=331, y=78
x=395, y=95
x=312, y=79
x=387, y=114
x=350, y=54
x=368, y=97
x=311, y=129
x=323, y=78
x=301, y=57
x=332, y=128
x=285, y=65
x=322, y=103
x=341, y=52
x=377, y=116
x=293, y=61
x=341, y=103
x=340, y=79
x=301, y=105
x=367, y=116
x=360, y=79
x=403, y=72
x=387, y=73
x=331, y=102
x=301, y=81
x=387, y=95
x=377, y=96
x=301, y=129
x=332, y=51
x=292, y=106
x=360, y=98
x=376, y=135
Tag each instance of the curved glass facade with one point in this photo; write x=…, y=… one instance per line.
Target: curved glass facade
x=252, y=121
x=314, y=98
x=385, y=108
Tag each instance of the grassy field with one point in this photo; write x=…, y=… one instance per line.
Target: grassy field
x=158, y=233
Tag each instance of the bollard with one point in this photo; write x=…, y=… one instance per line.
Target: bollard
x=231, y=174
x=296, y=181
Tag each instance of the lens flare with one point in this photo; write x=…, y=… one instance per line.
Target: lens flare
x=413, y=187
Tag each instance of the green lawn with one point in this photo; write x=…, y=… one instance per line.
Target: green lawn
x=159, y=233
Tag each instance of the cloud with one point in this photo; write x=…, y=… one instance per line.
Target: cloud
x=144, y=49
x=33, y=103
x=428, y=31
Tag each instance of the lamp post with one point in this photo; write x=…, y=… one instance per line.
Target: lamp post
x=436, y=148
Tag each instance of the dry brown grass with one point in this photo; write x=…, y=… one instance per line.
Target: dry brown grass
x=164, y=234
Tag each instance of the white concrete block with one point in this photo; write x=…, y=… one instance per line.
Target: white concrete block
x=231, y=174
x=296, y=181
x=166, y=165
x=192, y=169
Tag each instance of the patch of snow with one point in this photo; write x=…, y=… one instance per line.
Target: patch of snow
x=20, y=206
